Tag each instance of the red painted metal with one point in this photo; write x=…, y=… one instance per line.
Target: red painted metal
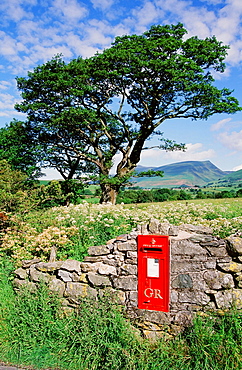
x=153, y=272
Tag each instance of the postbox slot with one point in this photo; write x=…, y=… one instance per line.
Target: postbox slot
x=152, y=249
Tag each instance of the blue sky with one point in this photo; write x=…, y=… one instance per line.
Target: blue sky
x=33, y=31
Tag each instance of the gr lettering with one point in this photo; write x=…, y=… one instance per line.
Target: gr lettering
x=149, y=293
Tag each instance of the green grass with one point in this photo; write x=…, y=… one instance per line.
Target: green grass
x=33, y=332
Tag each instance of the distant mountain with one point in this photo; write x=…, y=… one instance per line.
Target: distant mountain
x=189, y=173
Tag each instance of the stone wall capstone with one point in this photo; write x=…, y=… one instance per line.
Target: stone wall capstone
x=206, y=275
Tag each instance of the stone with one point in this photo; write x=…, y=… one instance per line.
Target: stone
x=227, y=280
x=90, y=267
x=28, y=263
x=173, y=230
x=116, y=296
x=131, y=261
x=21, y=273
x=133, y=298
x=217, y=251
x=71, y=265
x=210, y=264
x=38, y=276
x=198, y=229
x=153, y=226
x=93, y=259
x=19, y=283
x=57, y=286
x=48, y=266
x=187, y=248
x=234, y=245
x=79, y=290
x=131, y=254
x=224, y=259
x=194, y=297
x=125, y=283
x=144, y=230
x=107, y=270
x=157, y=317
x=127, y=269
x=97, y=280
x=201, y=238
x=224, y=299
x=206, y=274
x=181, y=236
x=212, y=279
x=127, y=246
x=78, y=278
x=186, y=266
x=98, y=250
x=173, y=296
x=122, y=238
x=218, y=280
x=183, y=318
x=230, y=266
x=65, y=275
x=182, y=281
x=238, y=276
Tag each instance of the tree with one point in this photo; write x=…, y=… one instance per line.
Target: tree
x=114, y=102
x=20, y=148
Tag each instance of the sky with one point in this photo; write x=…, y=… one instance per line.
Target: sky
x=34, y=31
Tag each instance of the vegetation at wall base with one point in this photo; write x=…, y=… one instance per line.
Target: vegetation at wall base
x=34, y=332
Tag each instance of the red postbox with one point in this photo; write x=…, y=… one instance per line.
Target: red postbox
x=153, y=272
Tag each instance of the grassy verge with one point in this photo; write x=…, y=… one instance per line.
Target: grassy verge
x=33, y=332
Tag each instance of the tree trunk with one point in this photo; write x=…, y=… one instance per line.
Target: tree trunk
x=109, y=193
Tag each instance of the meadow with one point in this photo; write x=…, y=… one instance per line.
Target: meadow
x=34, y=332
x=72, y=229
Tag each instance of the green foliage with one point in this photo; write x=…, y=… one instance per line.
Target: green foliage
x=20, y=147
x=12, y=187
x=149, y=173
x=153, y=195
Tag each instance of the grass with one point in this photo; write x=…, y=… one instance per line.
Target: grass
x=33, y=332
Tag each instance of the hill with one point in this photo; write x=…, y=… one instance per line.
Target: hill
x=189, y=173
x=231, y=179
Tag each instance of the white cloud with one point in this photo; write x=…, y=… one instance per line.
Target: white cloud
x=232, y=140
x=4, y=85
x=218, y=125
x=102, y=4
x=145, y=15
x=237, y=168
x=14, y=9
x=194, y=152
x=70, y=9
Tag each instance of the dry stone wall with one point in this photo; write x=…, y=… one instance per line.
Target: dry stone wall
x=206, y=274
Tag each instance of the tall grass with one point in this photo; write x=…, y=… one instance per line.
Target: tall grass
x=35, y=332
